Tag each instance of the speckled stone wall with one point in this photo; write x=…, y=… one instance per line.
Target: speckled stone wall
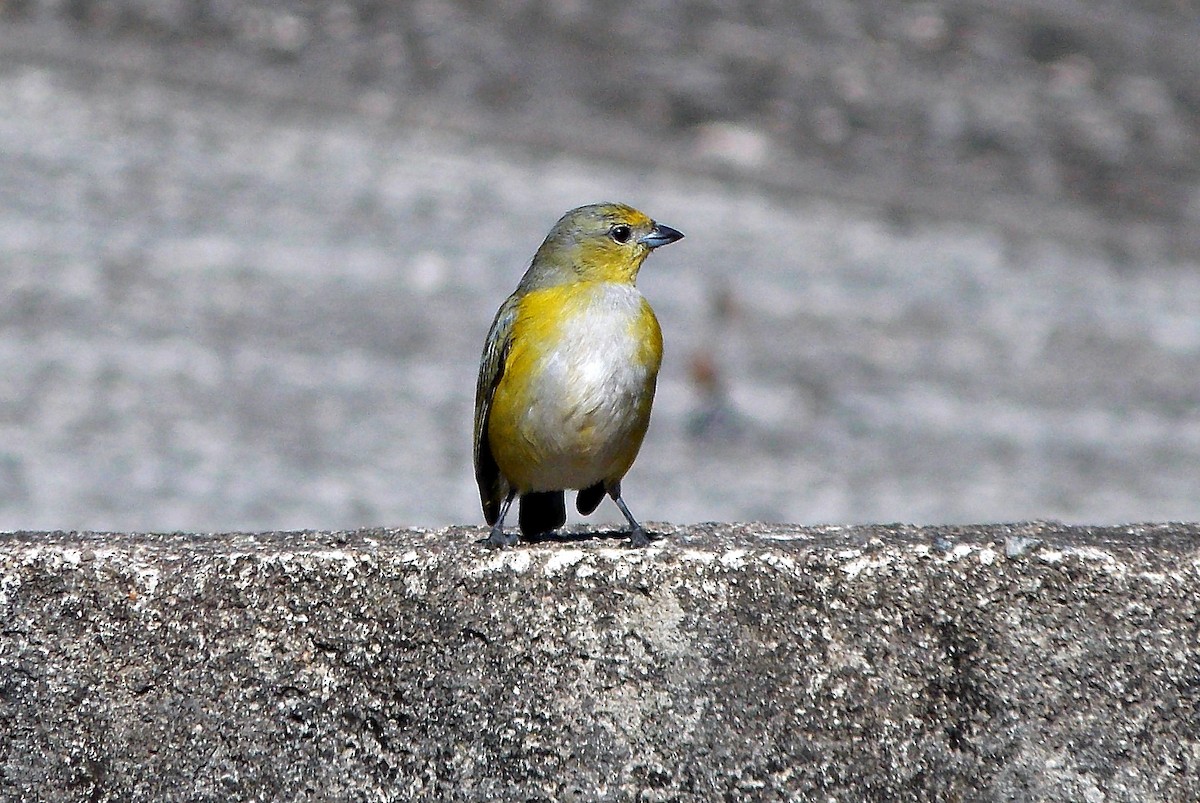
x=1022, y=662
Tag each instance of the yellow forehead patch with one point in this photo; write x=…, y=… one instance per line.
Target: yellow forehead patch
x=620, y=213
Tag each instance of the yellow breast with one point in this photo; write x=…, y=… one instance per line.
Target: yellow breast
x=573, y=403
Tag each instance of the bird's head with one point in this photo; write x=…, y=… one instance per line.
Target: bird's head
x=599, y=242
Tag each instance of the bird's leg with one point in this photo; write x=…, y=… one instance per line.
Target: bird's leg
x=497, y=538
x=637, y=536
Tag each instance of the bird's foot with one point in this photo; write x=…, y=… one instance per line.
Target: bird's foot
x=498, y=539
x=638, y=538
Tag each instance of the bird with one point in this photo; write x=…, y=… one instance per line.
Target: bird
x=568, y=373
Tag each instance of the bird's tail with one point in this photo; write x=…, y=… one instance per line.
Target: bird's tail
x=542, y=512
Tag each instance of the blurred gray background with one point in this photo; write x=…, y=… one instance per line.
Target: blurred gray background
x=941, y=258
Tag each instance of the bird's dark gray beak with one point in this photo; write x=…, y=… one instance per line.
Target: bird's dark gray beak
x=661, y=235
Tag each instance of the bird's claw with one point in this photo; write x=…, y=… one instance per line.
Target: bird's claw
x=498, y=540
x=638, y=538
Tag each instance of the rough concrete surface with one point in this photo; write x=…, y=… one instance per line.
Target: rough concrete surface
x=936, y=266
x=1009, y=663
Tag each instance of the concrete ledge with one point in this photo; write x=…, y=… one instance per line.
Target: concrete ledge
x=766, y=662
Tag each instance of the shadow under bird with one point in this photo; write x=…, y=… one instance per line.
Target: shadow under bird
x=568, y=374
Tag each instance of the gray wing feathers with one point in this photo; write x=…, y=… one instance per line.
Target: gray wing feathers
x=493, y=488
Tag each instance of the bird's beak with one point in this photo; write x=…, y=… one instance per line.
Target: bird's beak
x=661, y=235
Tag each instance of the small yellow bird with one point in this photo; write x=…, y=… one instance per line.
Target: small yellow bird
x=568, y=373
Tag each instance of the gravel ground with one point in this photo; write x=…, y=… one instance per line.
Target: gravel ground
x=243, y=289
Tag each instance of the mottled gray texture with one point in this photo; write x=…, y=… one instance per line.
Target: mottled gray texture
x=246, y=283
x=766, y=662
x=1028, y=111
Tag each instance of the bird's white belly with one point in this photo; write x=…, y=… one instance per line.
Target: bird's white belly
x=591, y=397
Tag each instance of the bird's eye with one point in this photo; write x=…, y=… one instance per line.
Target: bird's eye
x=620, y=233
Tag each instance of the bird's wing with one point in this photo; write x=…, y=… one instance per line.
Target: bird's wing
x=493, y=487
